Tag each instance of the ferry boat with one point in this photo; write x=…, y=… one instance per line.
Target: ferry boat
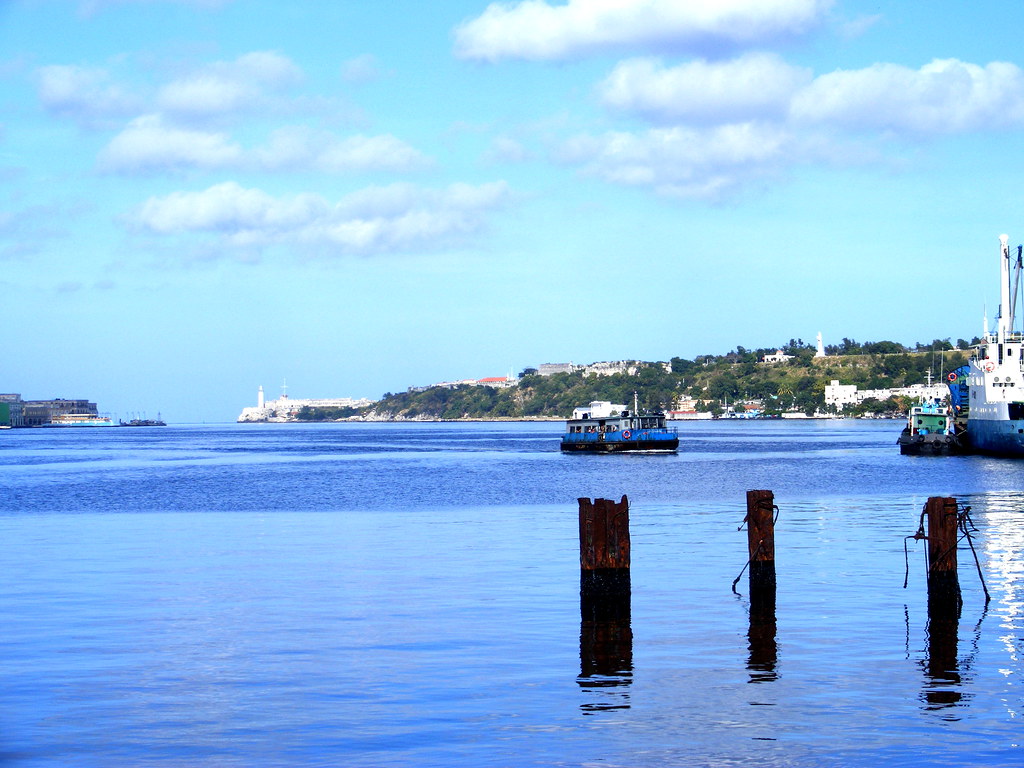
x=79, y=420
x=606, y=427
x=995, y=373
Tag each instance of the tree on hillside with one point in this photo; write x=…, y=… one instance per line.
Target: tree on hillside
x=883, y=348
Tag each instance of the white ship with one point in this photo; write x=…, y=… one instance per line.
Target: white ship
x=995, y=375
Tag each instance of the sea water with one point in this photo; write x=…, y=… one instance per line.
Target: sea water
x=408, y=595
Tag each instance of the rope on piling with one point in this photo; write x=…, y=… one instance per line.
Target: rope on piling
x=760, y=544
x=737, y=579
x=746, y=517
x=965, y=524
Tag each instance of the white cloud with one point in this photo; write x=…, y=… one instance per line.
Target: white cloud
x=534, y=29
x=86, y=95
x=148, y=144
x=756, y=85
x=505, y=149
x=374, y=220
x=945, y=96
x=245, y=84
x=298, y=147
x=362, y=69
x=684, y=162
x=855, y=28
x=724, y=124
x=151, y=144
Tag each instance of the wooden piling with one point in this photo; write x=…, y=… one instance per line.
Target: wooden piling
x=604, y=534
x=761, y=538
x=604, y=547
x=943, y=583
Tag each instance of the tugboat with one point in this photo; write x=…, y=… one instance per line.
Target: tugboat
x=606, y=427
x=929, y=431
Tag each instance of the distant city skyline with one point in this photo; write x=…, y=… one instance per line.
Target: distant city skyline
x=198, y=197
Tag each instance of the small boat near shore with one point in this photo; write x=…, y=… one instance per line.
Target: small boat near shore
x=929, y=432
x=605, y=427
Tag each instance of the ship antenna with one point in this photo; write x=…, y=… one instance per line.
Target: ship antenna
x=1016, y=285
x=636, y=408
x=1005, y=310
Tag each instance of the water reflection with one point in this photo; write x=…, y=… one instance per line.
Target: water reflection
x=943, y=682
x=606, y=641
x=764, y=650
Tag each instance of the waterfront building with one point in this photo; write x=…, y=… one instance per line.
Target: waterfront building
x=12, y=410
x=40, y=412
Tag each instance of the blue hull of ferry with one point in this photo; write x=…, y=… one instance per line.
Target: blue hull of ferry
x=638, y=441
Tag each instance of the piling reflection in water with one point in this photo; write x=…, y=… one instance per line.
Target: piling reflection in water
x=941, y=667
x=764, y=650
x=606, y=639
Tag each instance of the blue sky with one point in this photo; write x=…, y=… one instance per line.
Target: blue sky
x=200, y=197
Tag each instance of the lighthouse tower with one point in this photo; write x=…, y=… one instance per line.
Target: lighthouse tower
x=259, y=397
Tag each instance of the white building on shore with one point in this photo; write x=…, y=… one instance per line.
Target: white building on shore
x=840, y=395
x=285, y=408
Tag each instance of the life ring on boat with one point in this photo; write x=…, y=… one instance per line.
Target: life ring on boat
x=952, y=377
x=626, y=434
x=989, y=366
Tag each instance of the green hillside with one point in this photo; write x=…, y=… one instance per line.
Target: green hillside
x=736, y=379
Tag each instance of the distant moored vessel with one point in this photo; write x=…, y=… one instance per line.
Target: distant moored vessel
x=79, y=420
x=994, y=408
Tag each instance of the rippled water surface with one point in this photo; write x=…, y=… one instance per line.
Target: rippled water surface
x=395, y=595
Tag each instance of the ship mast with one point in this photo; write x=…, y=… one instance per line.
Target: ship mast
x=1005, y=326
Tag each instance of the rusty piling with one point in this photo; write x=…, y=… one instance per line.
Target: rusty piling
x=943, y=583
x=761, y=549
x=604, y=546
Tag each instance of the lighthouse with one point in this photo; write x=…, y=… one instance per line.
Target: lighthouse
x=259, y=397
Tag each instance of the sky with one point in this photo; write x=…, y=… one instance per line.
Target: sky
x=200, y=197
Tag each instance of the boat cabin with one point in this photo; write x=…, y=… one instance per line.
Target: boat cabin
x=584, y=421
x=929, y=419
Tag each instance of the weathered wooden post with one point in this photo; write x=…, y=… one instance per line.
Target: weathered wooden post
x=604, y=546
x=761, y=549
x=606, y=637
x=761, y=552
x=943, y=584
